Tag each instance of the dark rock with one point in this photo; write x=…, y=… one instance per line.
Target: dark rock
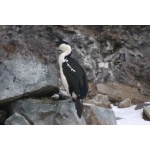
x=44, y=112
x=118, y=118
x=21, y=77
x=2, y=116
x=16, y=119
x=141, y=106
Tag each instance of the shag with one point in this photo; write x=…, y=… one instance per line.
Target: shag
x=73, y=76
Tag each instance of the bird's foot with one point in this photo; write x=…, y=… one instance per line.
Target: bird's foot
x=73, y=100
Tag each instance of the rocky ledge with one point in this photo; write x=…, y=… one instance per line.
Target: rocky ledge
x=21, y=77
x=47, y=112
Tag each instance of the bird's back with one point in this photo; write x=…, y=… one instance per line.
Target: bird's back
x=76, y=77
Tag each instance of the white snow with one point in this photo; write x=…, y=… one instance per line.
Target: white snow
x=129, y=116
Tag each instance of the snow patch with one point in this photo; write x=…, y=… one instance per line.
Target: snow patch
x=129, y=116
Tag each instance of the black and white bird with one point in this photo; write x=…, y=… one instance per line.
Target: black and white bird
x=73, y=76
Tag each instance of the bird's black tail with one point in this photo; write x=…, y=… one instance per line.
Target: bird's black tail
x=79, y=107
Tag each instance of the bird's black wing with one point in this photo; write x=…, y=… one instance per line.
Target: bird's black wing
x=76, y=78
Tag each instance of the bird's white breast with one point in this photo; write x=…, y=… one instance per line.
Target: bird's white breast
x=64, y=81
x=63, y=78
x=66, y=51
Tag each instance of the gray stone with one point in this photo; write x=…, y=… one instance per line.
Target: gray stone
x=99, y=116
x=16, y=119
x=146, y=111
x=125, y=103
x=46, y=112
x=100, y=100
x=2, y=116
x=141, y=106
x=20, y=77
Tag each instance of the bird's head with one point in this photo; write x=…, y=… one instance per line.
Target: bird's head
x=63, y=46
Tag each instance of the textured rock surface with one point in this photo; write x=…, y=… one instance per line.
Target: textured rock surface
x=46, y=112
x=146, y=111
x=21, y=77
x=99, y=116
x=16, y=119
x=125, y=103
x=118, y=54
x=100, y=100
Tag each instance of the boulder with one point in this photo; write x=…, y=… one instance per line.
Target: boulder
x=47, y=112
x=146, y=111
x=21, y=77
x=125, y=103
x=117, y=92
x=16, y=119
x=98, y=115
x=100, y=100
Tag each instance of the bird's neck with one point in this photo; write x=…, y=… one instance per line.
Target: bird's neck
x=62, y=56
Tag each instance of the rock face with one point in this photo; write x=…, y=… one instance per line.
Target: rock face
x=100, y=100
x=113, y=54
x=46, y=112
x=109, y=54
x=21, y=77
x=115, y=58
x=16, y=119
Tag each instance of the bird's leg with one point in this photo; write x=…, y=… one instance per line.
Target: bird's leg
x=74, y=100
x=73, y=96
